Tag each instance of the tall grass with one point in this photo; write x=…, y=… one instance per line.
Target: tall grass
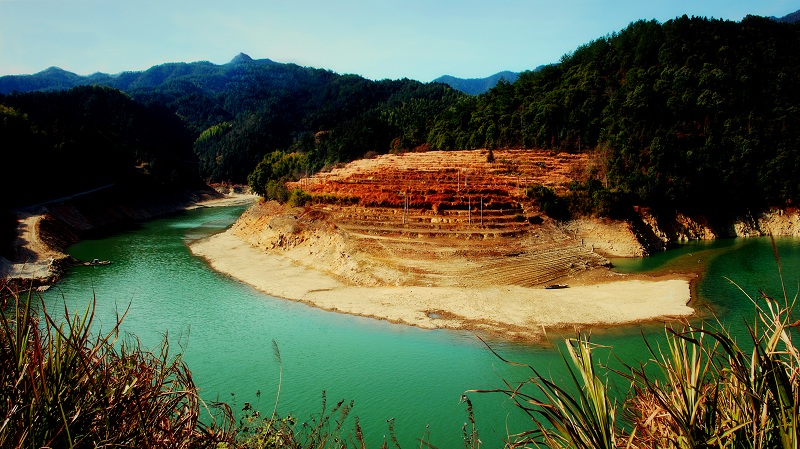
x=577, y=415
x=63, y=385
x=66, y=384
x=700, y=388
x=713, y=391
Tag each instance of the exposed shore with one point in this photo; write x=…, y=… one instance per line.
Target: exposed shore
x=597, y=298
x=44, y=231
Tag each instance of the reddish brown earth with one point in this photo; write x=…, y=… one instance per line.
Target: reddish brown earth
x=452, y=218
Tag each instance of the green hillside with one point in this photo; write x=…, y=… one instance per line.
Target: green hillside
x=238, y=112
x=694, y=115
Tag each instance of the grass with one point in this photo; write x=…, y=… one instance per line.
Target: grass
x=66, y=384
x=62, y=385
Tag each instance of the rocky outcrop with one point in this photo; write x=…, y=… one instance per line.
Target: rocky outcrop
x=657, y=233
x=777, y=222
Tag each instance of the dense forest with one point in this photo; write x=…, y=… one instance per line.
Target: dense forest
x=239, y=112
x=64, y=142
x=694, y=114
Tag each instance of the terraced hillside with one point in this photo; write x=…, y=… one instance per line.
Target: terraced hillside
x=450, y=218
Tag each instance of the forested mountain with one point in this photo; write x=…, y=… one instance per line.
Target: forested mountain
x=333, y=119
x=64, y=142
x=240, y=111
x=693, y=114
x=208, y=77
x=477, y=86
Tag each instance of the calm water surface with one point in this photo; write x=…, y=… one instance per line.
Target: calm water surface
x=416, y=377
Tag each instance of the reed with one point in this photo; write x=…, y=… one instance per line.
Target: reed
x=578, y=414
x=700, y=388
x=63, y=385
x=66, y=384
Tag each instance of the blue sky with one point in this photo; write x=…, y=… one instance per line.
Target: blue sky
x=417, y=39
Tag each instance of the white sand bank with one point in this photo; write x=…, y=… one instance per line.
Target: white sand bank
x=512, y=311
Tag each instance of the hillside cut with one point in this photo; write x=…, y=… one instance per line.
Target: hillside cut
x=431, y=219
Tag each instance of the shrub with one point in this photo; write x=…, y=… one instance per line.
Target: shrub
x=549, y=202
x=277, y=167
x=330, y=198
x=276, y=190
x=298, y=198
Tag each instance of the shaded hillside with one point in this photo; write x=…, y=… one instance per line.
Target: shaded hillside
x=693, y=114
x=242, y=110
x=65, y=142
x=338, y=120
x=476, y=86
x=790, y=18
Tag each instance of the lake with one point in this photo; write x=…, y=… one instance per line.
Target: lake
x=412, y=376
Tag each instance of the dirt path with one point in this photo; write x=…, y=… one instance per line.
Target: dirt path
x=36, y=261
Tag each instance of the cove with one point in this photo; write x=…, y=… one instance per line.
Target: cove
x=410, y=376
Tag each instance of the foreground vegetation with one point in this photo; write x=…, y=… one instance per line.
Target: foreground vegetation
x=701, y=389
x=63, y=386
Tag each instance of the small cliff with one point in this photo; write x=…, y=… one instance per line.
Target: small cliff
x=658, y=232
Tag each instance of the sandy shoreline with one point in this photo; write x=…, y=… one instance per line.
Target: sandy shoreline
x=42, y=264
x=511, y=311
x=230, y=199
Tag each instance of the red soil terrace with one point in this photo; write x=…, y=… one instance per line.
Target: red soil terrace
x=452, y=218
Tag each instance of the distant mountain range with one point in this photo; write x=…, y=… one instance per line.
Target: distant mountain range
x=215, y=76
x=212, y=77
x=476, y=86
x=789, y=18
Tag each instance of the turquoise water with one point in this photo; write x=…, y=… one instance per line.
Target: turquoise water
x=732, y=273
x=226, y=330
x=416, y=377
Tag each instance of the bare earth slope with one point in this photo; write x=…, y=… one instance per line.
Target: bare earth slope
x=444, y=240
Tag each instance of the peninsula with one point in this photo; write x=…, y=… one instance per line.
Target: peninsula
x=446, y=240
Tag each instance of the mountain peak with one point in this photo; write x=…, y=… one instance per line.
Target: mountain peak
x=53, y=70
x=241, y=58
